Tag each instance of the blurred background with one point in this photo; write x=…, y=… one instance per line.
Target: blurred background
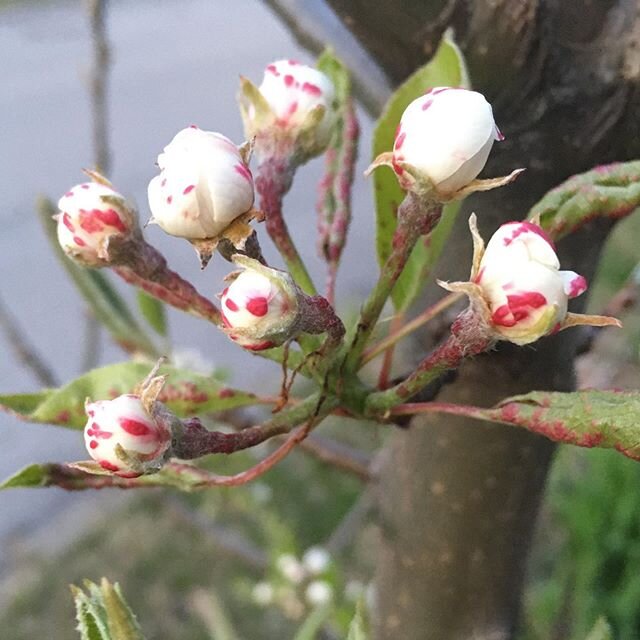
x=266, y=557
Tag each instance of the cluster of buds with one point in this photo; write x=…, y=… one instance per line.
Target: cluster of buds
x=442, y=144
x=204, y=191
x=92, y=216
x=291, y=112
x=516, y=287
x=264, y=308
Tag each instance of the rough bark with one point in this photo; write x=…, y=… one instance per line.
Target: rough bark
x=458, y=500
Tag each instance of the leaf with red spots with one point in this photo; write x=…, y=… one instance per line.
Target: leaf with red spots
x=446, y=68
x=185, y=393
x=590, y=418
x=609, y=191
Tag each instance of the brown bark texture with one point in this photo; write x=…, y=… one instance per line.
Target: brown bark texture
x=458, y=499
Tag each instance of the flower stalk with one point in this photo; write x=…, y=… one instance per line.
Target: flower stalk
x=273, y=180
x=416, y=218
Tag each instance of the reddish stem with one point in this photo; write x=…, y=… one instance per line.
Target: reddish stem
x=142, y=265
x=272, y=182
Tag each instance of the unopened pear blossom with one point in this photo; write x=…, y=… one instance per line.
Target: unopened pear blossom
x=90, y=214
x=294, y=103
x=123, y=438
x=445, y=137
x=518, y=287
x=203, y=186
x=257, y=310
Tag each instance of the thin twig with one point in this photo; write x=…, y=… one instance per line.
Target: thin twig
x=387, y=362
x=339, y=455
x=98, y=80
x=25, y=352
x=395, y=336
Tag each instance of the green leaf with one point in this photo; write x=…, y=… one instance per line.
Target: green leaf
x=103, y=614
x=609, y=191
x=313, y=623
x=601, y=631
x=74, y=478
x=446, y=68
x=103, y=300
x=185, y=393
x=154, y=312
x=605, y=419
x=357, y=628
x=35, y=475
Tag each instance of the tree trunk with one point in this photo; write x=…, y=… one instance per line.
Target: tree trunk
x=458, y=499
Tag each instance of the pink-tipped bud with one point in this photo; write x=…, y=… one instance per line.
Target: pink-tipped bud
x=522, y=284
x=260, y=308
x=294, y=102
x=90, y=215
x=203, y=186
x=123, y=438
x=444, y=139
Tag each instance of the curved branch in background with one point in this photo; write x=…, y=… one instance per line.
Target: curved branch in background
x=314, y=26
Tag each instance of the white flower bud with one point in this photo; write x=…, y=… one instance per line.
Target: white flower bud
x=295, y=102
x=318, y=593
x=444, y=137
x=121, y=437
x=289, y=566
x=258, y=311
x=521, y=282
x=262, y=594
x=203, y=186
x=90, y=214
x=316, y=560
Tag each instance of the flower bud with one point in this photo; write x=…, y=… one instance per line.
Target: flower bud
x=260, y=308
x=319, y=593
x=203, y=186
x=90, y=215
x=123, y=438
x=444, y=138
x=295, y=102
x=517, y=290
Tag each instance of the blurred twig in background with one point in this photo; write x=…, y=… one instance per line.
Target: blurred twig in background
x=98, y=79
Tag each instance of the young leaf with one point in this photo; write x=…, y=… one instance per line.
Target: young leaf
x=357, y=628
x=446, y=68
x=153, y=312
x=592, y=418
x=313, y=623
x=185, y=393
x=601, y=631
x=609, y=191
x=103, y=300
x=103, y=614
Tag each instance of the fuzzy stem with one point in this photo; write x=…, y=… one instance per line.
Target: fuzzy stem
x=142, y=265
x=415, y=219
x=272, y=182
x=467, y=339
x=395, y=336
x=197, y=441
